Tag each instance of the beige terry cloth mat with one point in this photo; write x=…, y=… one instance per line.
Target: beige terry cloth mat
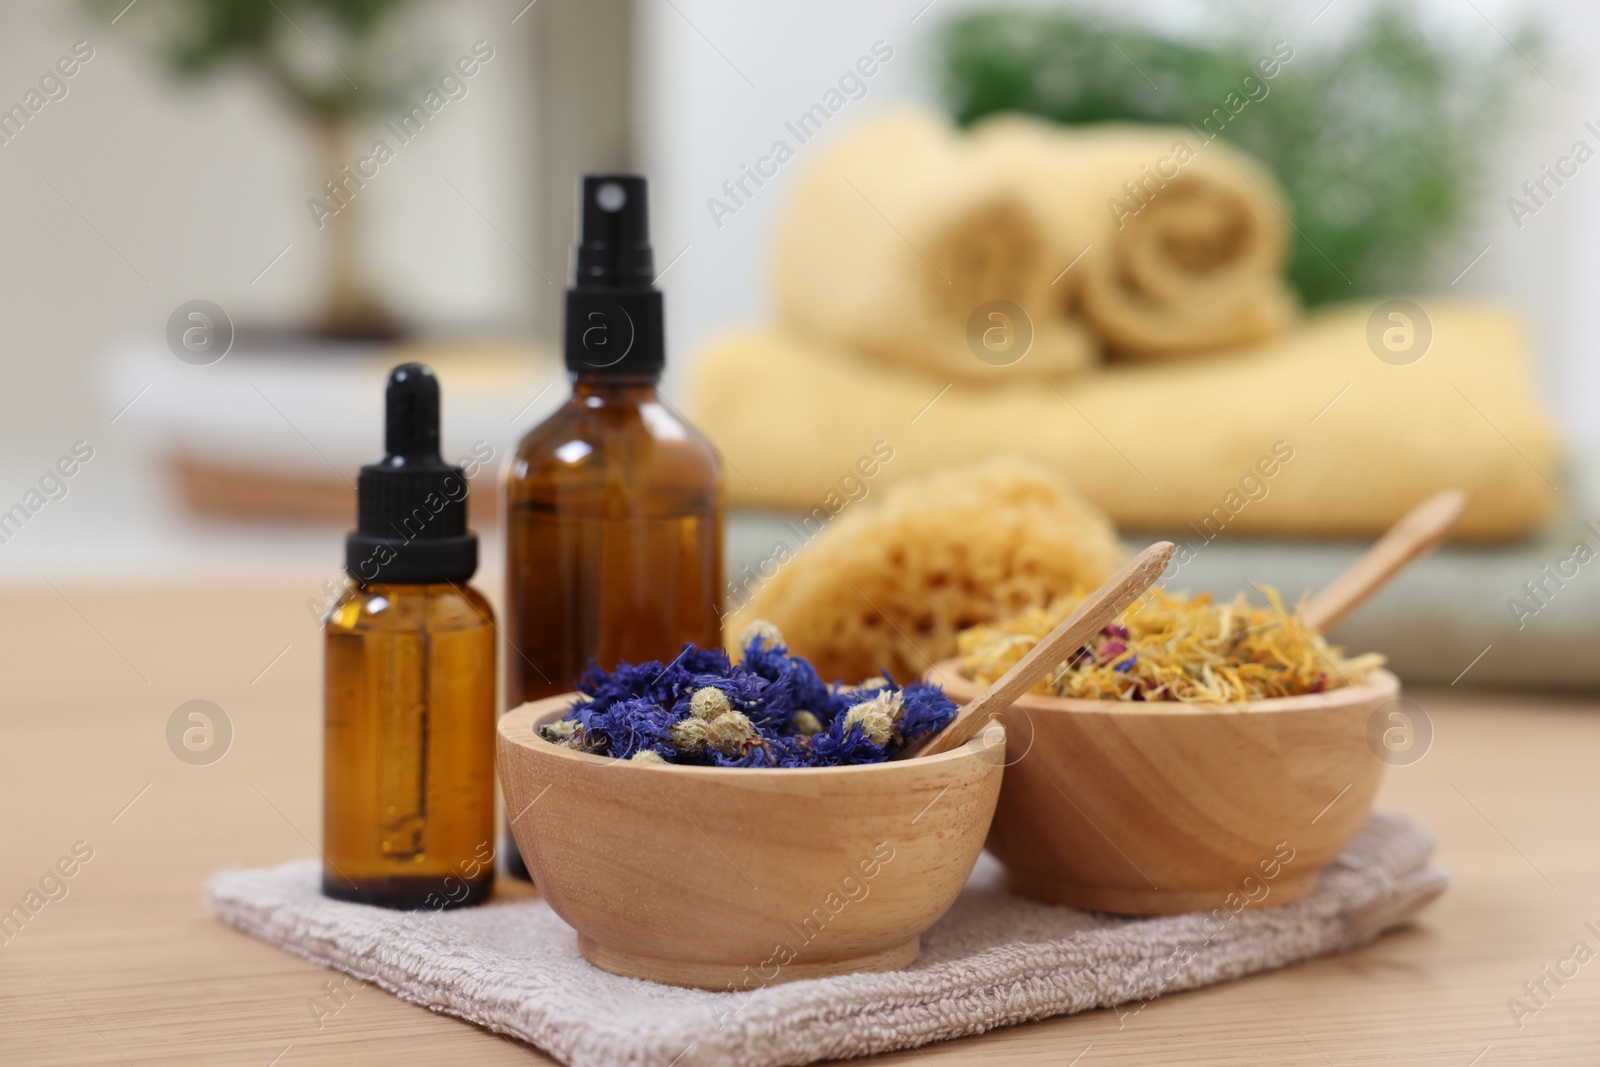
x=903, y=232
x=1173, y=446
x=994, y=960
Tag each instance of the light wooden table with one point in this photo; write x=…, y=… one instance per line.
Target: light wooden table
x=129, y=967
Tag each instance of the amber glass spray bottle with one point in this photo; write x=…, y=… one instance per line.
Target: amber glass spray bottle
x=409, y=710
x=614, y=503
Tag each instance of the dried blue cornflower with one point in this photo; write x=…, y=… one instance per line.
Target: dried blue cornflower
x=662, y=683
x=879, y=718
x=708, y=702
x=771, y=710
x=807, y=723
x=840, y=745
x=574, y=736
x=925, y=710
x=557, y=732
x=625, y=727
x=792, y=683
x=762, y=633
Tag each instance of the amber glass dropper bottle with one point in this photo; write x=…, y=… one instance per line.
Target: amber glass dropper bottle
x=614, y=503
x=409, y=709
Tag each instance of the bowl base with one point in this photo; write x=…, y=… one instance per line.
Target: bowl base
x=1130, y=900
x=723, y=978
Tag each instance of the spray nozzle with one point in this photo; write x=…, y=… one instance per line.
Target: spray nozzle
x=614, y=322
x=614, y=248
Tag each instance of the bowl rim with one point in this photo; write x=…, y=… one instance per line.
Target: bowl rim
x=516, y=727
x=1380, y=684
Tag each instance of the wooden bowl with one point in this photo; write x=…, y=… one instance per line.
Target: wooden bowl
x=727, y=878
x=1164, y=808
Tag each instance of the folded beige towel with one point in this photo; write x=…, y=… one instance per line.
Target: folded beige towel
x=1024, y=247
x=1308, y=435
x=994, y=960
x=1184, y=242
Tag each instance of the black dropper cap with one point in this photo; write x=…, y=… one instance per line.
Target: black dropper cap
x=411, y=505
x=614, y=317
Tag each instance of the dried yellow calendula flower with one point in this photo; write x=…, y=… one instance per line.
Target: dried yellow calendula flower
x=1178, y=648
x=708, y=703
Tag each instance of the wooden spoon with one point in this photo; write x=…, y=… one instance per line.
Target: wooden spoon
x=1103, y=605
x=1419, y=530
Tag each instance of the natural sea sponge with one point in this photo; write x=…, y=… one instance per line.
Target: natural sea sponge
x=889, y=586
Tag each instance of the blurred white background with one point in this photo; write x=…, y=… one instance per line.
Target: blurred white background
x=130, y=196
x=702, y=120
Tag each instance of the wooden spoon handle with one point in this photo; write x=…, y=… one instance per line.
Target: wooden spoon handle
x=1423, y=527
x=1103, y=605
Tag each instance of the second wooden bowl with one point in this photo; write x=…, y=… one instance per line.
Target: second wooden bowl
x=733, y=879
x=1159, y=808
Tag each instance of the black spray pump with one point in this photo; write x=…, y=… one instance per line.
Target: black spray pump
x=412, y=505
x=614, y=323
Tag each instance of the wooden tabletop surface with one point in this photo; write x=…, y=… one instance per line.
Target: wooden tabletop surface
x=128, y=966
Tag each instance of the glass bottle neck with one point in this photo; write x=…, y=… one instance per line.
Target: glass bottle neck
x=394, y=590
x=624, y=388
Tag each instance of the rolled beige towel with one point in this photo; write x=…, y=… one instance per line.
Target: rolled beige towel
x=1017, y=251
x=899, y=235
x=1183, y=242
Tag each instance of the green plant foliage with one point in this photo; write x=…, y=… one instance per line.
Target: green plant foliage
x=1376, y=137
x=326, y=57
